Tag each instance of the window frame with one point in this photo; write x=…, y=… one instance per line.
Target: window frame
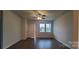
x=45, y=28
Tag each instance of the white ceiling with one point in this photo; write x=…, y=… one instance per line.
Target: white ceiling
x=50, y=14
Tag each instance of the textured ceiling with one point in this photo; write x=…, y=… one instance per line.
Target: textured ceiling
x=30, y=14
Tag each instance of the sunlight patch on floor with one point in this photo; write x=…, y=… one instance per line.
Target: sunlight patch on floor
x=44, y=44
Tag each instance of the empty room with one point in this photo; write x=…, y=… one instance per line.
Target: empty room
x=39, y=29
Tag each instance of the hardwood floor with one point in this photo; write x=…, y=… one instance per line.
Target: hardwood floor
x=39, y=44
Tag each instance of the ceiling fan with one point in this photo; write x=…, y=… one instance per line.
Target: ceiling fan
x=38, y=15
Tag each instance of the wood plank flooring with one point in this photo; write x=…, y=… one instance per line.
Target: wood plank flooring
x=39, y=44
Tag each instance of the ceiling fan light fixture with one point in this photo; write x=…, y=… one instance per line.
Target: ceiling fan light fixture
x=39, y=18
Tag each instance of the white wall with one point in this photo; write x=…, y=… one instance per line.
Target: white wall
x=63, y=29
x=11, y=28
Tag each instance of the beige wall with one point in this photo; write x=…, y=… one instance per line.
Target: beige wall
x=63, y=29
x=75, y=30
x=45, y=35
x=78, y=29
x=26, y=28
x=23, y=29
x=11, y=29
x=31, y=29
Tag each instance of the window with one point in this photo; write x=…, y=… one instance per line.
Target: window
x=42, y=27
x=48, y=27
x=45, y=27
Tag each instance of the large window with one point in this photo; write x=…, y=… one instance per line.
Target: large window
x=45, y=27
